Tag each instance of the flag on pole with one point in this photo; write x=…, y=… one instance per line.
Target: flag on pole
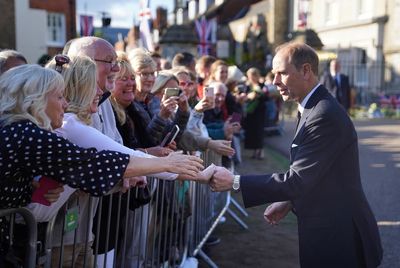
x=203, y=28
x=144, y=27
x=86, y=25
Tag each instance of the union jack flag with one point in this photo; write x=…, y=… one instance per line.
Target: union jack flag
x=86, y=25
x=203, y=28
x=144, y=27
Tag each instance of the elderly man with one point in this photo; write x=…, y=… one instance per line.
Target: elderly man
x=322, y=186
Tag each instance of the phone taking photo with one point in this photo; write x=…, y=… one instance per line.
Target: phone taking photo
x=172, y=92
x=208, y=92
x=170, y=137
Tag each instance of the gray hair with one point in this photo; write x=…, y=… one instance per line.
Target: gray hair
x=162, y=78
x=24, y=94
x=141, y=59
x=6, y=54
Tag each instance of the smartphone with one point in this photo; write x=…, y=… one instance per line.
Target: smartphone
x=172, y=92
x=170, y=137
x=209, y=92
x=236, y=117
x=46, y=184
x=241, y=88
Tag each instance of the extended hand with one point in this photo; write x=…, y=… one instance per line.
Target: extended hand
x=222, y=147
x=187, y=166
x=222, y=180
x=277, y=211
x=205, y=175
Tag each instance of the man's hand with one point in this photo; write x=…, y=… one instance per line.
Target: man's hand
x=277, y=211
x=222, y=180
x=222, y=147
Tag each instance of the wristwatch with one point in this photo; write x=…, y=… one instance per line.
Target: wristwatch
x=236, y=183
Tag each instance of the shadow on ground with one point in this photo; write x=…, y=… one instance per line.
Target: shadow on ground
x=261, y=245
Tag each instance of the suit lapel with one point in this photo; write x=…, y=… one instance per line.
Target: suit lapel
x=315, y=97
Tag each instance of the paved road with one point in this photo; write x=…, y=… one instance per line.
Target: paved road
x=379, y=146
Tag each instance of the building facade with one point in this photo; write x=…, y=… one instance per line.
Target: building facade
x=362, y=35
x=37, y=27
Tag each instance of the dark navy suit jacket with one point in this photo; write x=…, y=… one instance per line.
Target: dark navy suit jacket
x=324, y=186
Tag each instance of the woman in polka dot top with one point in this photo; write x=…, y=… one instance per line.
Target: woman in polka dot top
x=31, y=105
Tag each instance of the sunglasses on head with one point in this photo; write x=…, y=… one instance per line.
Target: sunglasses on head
x=60, y=61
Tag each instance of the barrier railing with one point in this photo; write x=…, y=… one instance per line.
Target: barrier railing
x=114, y=231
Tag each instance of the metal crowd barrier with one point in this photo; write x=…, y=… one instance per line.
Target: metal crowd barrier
x=174, y=225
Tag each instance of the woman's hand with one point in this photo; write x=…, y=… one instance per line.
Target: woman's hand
x=53, y=194
x=204, y=104
x=159, y=151
x=168, y=106
x=187, y=166
x=128, y=183
x=205, y=175
x=222, y=147
x=183, y=103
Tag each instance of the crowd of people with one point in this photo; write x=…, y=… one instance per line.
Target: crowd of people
x=96, y=122
x=93, y=122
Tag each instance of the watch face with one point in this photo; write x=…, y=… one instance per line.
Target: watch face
x=235, y=186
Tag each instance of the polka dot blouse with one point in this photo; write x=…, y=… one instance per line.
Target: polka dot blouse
x=27, y=151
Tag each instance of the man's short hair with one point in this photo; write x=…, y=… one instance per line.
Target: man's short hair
x=299, y=54
x=185, y=59
x=7, y=54
x=206, y=61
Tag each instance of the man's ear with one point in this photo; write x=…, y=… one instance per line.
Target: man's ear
x=306, y=71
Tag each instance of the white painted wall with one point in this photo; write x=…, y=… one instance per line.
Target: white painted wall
x=31, y=30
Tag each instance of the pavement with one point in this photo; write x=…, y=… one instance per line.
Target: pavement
x=379, y=152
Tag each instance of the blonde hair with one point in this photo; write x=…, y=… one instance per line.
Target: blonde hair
x=214, y=67
x=24, y=94
x=161, y=80
x=124, y=68
x=141, y=59
x=80, y=85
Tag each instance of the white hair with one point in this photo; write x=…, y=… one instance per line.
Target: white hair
x=24, y=94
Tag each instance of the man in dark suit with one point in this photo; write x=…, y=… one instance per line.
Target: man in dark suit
x=337, y=84
x=322, y=186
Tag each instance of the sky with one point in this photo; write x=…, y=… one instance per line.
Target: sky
x=123, y=12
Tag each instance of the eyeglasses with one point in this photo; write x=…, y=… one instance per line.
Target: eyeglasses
x=126, y=78
x=186, y=83
x=112, y=62
x=146, y=75
x=60, y=61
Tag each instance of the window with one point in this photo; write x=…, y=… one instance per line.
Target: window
x=331, y=12
x=364, y=8
x=56, y=29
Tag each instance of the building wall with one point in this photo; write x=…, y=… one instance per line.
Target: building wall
x=68, y=7
x=7, y=24
x=369, y=25
x=30, y=31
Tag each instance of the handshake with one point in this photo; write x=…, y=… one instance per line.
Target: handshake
x=218, y=178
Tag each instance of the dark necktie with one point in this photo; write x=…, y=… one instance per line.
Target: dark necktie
x=298, y=119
